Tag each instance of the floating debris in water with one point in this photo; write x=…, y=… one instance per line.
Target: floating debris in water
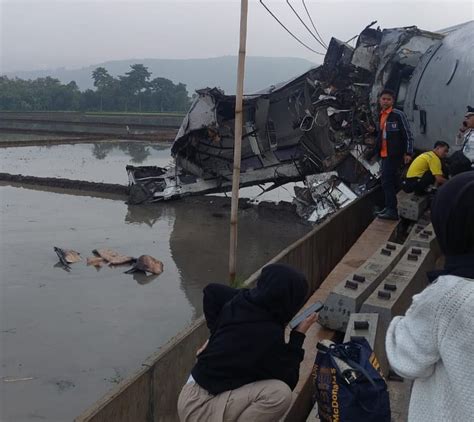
x=113, y=257
x=67, y=256
x=146, y=264
x=96, y=261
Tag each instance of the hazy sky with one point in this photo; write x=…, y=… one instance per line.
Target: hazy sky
x=37, y=34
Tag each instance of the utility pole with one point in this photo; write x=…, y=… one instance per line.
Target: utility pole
x=237, y=141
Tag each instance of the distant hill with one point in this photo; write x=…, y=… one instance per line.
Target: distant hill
x=195, y=73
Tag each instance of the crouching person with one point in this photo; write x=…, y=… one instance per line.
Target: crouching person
x=246, y=371
x=426, y=170
x=433, y=344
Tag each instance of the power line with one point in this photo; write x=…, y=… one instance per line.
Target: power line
x=289, y=32
x=312, y=23
x=301, y=20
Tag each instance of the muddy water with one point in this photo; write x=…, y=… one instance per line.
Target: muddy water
x=66, y=338
x=105, y=162
x=102, y=162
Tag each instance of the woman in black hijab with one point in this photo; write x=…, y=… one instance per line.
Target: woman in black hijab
x=452, y=215
x=246, y=371
x=433, y=344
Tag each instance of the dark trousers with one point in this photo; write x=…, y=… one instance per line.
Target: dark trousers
x=390, y=177
x=418, y=185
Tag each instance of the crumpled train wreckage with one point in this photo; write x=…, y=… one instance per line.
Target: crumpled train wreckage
x=311, y=128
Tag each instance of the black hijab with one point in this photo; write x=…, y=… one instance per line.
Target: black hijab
x=452, y=215
x=281, y=291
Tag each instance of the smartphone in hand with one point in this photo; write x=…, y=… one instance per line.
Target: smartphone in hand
x=315, y=307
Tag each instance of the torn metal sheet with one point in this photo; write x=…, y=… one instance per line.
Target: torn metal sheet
x=324, y=194
x=316, y=122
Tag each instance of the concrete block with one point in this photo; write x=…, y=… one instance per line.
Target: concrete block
x=395, y=294
x=425, y=238
x=350, y=293
x=362, y=325
x=366, y=325
x=411, y=206
x=417, y=228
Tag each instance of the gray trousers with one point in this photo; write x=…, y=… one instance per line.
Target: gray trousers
x=261, y=401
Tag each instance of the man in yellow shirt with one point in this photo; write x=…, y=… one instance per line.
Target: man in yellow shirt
x=426, y=170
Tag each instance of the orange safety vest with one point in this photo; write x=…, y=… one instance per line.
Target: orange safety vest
x=383, y=121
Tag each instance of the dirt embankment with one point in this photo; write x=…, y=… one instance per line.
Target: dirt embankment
x=218, y=206
x=65, y=183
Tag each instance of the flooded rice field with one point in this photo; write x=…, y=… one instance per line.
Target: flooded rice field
x=66, y=338
x=102, y=162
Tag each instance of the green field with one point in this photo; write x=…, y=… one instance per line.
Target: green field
x=118, y=113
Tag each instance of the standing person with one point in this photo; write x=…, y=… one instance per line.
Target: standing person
x=468, y=134
x=246, y=370
x=433, y=344
x=463, y=159
x=394, y=145
x=426, y=170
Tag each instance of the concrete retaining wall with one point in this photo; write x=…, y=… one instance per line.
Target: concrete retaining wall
x=151, y=394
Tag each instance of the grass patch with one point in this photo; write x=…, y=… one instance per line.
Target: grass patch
x=119, y=113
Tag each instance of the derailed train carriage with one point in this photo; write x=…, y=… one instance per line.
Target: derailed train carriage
x=316, y=122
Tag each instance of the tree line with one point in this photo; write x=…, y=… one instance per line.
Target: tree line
x=133, y=92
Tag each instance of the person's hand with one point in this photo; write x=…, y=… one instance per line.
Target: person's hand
x=201, y=349
x=306, y=323
x=407, y=159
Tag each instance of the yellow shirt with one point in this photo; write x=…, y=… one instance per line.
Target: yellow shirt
x=424, y=162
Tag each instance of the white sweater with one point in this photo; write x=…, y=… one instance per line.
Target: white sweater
x=434, y=345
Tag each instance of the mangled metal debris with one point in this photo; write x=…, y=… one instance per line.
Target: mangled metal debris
x=315, y=123
x=324, y=194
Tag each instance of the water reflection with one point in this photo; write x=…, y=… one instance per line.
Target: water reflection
x=199, y=239
x=102, y=162
x=143, y=279
x=138, y=151
x=125, y=318
x=148, y=214
x=101, y=150
x=61, y=266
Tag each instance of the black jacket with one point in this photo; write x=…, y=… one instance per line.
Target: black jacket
x=399, y=136
x=247, y=327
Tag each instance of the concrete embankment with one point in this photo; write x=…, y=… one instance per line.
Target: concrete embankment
x=151, y=394
x=371, y=239
x=159, y=126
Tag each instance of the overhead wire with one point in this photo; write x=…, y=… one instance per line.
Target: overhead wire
x=289, y=32
x=306, y=26
x=312, y=23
